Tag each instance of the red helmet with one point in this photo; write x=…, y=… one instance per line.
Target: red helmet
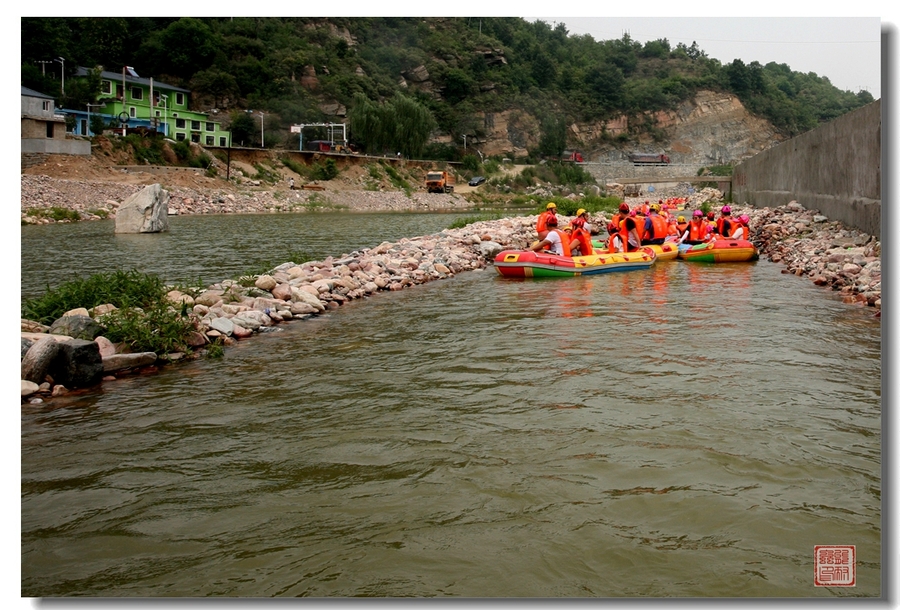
x=711, y=215
x=623, y=207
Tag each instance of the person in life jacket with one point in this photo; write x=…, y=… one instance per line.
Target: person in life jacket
x=742, y=228
x=673, y=227
x=613, y=227
x=581, y=234
x=628, y=239
x=681, y=224
x=697, y=231
x=545, y=216
x=725, y=224
x=655, y=227
x=555, y=242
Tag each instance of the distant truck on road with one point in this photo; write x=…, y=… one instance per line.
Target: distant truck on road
x=439, y=182
x=649, y=159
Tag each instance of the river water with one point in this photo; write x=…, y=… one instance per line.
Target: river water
x=690, y=430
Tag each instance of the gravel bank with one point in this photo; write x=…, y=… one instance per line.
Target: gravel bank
x=95, y=199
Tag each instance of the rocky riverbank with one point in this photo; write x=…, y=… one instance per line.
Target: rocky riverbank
x=805, y=242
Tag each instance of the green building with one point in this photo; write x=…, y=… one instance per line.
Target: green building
x=143, y=102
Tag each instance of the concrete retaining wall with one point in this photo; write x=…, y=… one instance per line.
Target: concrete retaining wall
x=835, y=168
x=54, y=146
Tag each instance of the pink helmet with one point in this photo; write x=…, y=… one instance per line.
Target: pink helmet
x=698, y=214
x=744, y=219
x=726, y=209
x=632, y=213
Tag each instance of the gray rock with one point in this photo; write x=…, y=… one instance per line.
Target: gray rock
x=146, y=211
x=29, y=388
x=77, y=327
x=119, y=362
x=78, y=364
x=490, y=249
x=26, y=345
x=223, y=325
x=38, y=359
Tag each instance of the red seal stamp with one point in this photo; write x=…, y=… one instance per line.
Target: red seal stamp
x=835, y=565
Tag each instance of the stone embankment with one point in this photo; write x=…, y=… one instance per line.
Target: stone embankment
x=805, y=242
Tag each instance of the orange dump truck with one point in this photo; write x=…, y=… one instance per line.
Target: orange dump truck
x=439, y=182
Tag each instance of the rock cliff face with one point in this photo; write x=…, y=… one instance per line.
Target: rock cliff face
x=710, y=129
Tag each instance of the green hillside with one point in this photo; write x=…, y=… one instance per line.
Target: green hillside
x=443, y=70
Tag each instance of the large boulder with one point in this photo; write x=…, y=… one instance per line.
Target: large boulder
x=77, y=365
x=77, y=327
x=147, y=211
x=39, y=358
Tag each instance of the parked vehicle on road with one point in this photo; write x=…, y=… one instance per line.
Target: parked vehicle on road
x=476, y=181
x=648, y=159
x=439, y=182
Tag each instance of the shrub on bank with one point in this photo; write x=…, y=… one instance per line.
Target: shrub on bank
x=145, y=320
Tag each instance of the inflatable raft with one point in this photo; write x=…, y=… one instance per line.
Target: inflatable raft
x=719, y=251
x=525, y=263
x=664, y=252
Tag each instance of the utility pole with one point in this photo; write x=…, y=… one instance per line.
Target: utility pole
x=89, y=106
x=62, y=73
x=43, y=65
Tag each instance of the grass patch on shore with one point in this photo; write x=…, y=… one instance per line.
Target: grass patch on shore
x=145, y=320
x=54, y=213
x=467, y=220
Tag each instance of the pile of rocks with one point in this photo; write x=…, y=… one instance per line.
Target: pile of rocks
x=809, y=244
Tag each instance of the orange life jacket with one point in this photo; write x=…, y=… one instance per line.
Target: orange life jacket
x=682, y=227
x=541, y=226
x=743, y=229
x=564, y=239
x=659, y=226
x=579, y=235
x=721, y=229
x=698, y=231
x=623, y=233
x=617, y=219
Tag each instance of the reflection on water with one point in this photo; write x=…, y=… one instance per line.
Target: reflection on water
x=689, y=431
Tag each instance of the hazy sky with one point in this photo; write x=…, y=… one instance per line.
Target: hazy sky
x=847, y=50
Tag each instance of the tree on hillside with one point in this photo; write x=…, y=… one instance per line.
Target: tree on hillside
x=181, y=49
x=243, y=128
x=553, y=136
x=216, y=84
x=400, y=125
x=413, y=124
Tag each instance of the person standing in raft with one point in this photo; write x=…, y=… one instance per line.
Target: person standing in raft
x=655, y=226
x=555, y=242
x=542, y=222
x=697, y=231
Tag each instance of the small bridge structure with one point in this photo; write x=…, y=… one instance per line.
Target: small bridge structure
x=653, y=174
